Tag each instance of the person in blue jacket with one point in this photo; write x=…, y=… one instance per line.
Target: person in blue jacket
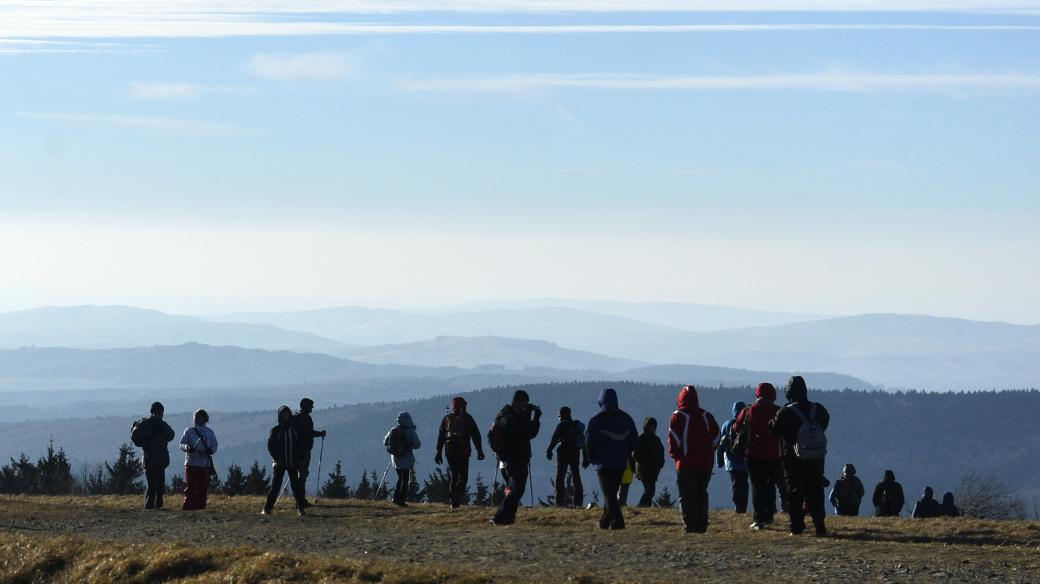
x=734, y=465
x=400, y=441
x=611, y=438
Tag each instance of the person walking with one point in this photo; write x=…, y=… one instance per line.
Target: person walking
x=568, y=441
x=762, y=454
x=733, y=462
x=457, y=430
x=611, y=439
x=802, y=425
x=287, y=454
x=199, y=444
x=693, y=435
x=153, y=436
x=400, y=441
x=649, y=457
x=510, y=438
x=888, y=497
x=847, y=492
x=927, y=507
x=305, y=433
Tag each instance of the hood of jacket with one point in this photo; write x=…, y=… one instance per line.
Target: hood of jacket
x=766, y=392
x=849, y=470
x=688, y=398
x=929, y=493
x=458, y=405
x=404, y=419
x=948, y=499
x=738, y=407
x=608, y=399
x=890, y=477
x=650, y=425
x=796, y=390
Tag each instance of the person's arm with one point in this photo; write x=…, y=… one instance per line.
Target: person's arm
x=778, y=425
x=140, y=432
x=167, y=432
x=592, y=438
x=556, y=437
x=713, y=430
x=917, y=514
x=834, y=495
x=211, y=441
x=876, y=499
x=536, y=423
x=186, y=442
x=474, y=434
x=674, y=429
x=823, y=417
x=442, y=436
x=272, y=445
x=860, y=491
x=900, y=498
x=414, y=437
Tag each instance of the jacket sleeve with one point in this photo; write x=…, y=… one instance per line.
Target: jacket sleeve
x=186, y=440
x=777, y=426
x=413, y=436
x=659, y=450
x=900, y=497
x=592, y=437
x=167, y=432
x=738, y=422
x=474, y=434
x=876, y=499
x=834, y=495
x=272, y=445
x=859, y=488
x=211, y=440
x=713, y=428
x=633, y=439
x=535, y=425
x=386, y=439
x=140, y=432
x=917, y=511
x=555, y=437
x=823, y=417
x=442, y=434
x=674, y=431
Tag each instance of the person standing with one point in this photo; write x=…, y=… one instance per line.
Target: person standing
x=927, y=507
x=611, y=438
x=199, y=444
x=649, y=457
x=153, y=436
x=762, y=456
x=400, y=441
x=568, y=440
x=305, y=433
x=287, y=454
x=732, y=462
x=510, y=438
x=693, y=435
x=457, y=430
x=888, y=497
x=802, y=425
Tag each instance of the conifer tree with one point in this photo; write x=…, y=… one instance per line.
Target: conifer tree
x=664, y=499
x=235, y=482
x=176, y=485
x=124, y=477
x=364, y=488
x=481, y=495
x=437, y=487
x=336, y=486
x=257, y=481
x=54, y=473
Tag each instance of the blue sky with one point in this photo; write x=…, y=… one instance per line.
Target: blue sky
x=225, y=155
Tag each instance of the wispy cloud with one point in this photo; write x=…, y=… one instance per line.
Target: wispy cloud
x=13, y=46
x=152, y=90
x=150, y=123
x=318, y=66
x=830, y=81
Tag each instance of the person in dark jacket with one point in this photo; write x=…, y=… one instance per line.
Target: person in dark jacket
x=847, y=492
x=153, y=435
x=888, y=497
x=803, y=475
x=510, y=438
x=611, y=438
x=734, y=465
x=693, y=436
x=649, y=457
x=947, y=507
x=306, y=433
x=284, y=446
x=763, y=454
x=567, y=440
x=927, y=507
x=457, y=430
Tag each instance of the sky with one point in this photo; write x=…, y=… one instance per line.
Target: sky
x=834, y=157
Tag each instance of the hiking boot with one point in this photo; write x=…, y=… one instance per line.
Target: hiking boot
x=821, y=531
x=265, y=512
x=758, y=526
x=302, y=513
x=795, y=532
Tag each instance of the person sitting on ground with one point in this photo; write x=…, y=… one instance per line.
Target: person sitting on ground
x=510, y=438
x=947, y=508
x=153, y=436
x=693, y=435
x=199, y=444
x=847, y=492
x=287, y=452
x=732, y=462
x=927, y=507
x=611, y=438
x=649, y=457
x=568, y=441
x=400, y=441
x=457, y=430
x=888, y=497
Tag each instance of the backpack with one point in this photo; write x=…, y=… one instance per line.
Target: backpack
x=135, y=435
x=495, y=437
x=578, y=435
x=811, y=442
x=456, y=435
x=398, y=444
x=740, y=442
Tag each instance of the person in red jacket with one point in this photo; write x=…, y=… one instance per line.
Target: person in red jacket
x=763, y=454
x=693, y=435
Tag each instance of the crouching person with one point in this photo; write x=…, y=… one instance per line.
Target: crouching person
x=199, y=444
x=286, y=451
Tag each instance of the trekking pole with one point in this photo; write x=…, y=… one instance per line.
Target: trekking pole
x=317, y=479
x=380, y=487
x=531, y=480
x=494, y=487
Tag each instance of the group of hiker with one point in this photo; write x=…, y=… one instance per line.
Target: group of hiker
x=768, y=451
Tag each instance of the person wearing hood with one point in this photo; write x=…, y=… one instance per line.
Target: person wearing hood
x=199, y=444
x=153, y=436
x=888, y=497
x=457, y=430
x=611, y=438
x=649, y=457
x=947, y=507
x=762, y=455
x=568, y=441
x=305, y=432
x=847, y=492
x=804, y=455
x=286, y=449
x=510, y=437
x=927, y=507
x=733, y=463
x=400, y=441
x=693, y=436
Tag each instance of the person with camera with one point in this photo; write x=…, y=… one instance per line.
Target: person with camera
x=510, y=438
x=199, y=444
x=457, y=430
x=153, y=436
x=305, y=433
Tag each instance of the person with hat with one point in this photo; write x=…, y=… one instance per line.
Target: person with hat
x=510, y=438
x=153, y=436
x=457, y=430
x=306, y=434
x=568, y=440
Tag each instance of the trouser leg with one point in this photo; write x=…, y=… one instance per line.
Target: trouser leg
x=561, y=481
x=515, y=476
x=610, y=483
x=763, y=495
x=649, y=489
x=156, y=479
x=458, y=478
x=401, y=487
x=277, y=475
x=579, y=490
x=739, y=481
x=298, y=487
x=796, y=494
x=196, y=484
x=622, y=495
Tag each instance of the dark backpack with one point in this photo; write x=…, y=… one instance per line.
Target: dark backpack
x=577, y=435
x=398, y=444
x=135, y=433
x=456, y=433
x=496, y=439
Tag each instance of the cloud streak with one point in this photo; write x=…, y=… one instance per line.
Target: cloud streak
x=150, y=123
x=318, y=66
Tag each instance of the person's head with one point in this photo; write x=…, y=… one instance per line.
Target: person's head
x=458, y=405
x=565, y=413
x=157, y=410
x=201, y=417
x=766, y=392
x=738, y=407
x=687, y=399
x=608, y=399
x=404, y=419
x=521, y=400
x=650, y=425
x=849, y=470
x=928, y=493
x=284, y=415
x=796, y=390
x=306, y=405
x=890, y=476
x=948, y=498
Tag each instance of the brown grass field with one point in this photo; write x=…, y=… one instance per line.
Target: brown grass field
x=110, y=539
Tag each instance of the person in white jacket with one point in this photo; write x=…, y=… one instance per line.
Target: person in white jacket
x=199, y=444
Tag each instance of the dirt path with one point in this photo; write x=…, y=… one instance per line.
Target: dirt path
x=550, y=544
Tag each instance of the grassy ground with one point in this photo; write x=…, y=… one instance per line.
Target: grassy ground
x=110, y=539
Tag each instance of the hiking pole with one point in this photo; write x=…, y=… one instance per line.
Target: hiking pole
x=531, y=480
x=317, y=479
x=380, y=487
